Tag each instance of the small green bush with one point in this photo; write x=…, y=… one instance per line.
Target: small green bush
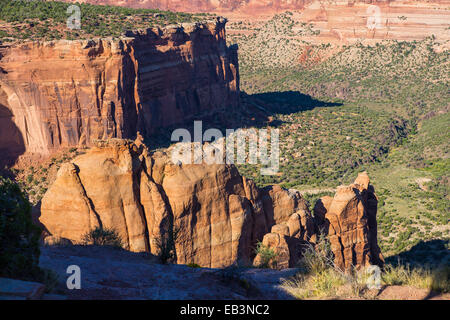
x=268, y=256
x=103, y=237
x=193, y=265
x=49, y=278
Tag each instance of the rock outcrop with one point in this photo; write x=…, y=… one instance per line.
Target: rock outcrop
x=215, y=216
x=68, y=93
x=218, y=215
x=349, y=220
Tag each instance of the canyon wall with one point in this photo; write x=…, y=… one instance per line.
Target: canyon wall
x=251, y=6
x=214, y=216
x=67, y=93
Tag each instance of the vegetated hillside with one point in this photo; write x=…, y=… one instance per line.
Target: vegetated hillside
x=32, y=20
x=343, y=109
x=274, y=44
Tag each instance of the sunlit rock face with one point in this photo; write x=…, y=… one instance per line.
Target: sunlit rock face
x=349, y=220
x=68, y=93
x=218, y=215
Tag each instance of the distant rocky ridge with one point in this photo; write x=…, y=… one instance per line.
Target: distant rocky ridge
x=203, y=5
x=341, y=22
x=223, y=5
x=67, y=93
x=219, y=215
x=251, y=6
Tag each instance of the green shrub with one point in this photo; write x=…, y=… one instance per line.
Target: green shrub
x=19, y=238
x=49, y=278
x=193, y=265
x=102, y=237
x=267, y=255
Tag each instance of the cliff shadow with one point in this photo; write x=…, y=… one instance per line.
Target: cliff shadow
x=12, y=144
x=431, y=255
x=255, y=111
x=287, y=102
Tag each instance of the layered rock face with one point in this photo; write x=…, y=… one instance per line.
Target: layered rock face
x=218, y=215
x=349, y=220
x=67, y=93
x=240, y=5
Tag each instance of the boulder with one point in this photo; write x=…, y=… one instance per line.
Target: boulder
x=320, y=209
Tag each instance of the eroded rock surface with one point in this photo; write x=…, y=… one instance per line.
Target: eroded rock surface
x=219, y=215
x=67, y=93
x=349, y=220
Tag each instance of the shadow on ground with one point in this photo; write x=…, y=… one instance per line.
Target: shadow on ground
x=287, y=102
x=432, y=254
x=256, y=110
x=111, y=273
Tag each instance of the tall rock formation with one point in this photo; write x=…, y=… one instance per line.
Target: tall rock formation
x=67, y=93
x=349, y=220
x=219, y=215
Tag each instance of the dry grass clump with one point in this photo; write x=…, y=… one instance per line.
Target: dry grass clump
x=320, y=279
x=320, y=285
x=433, y=279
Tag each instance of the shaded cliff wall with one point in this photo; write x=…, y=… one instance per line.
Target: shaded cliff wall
x=68, y=93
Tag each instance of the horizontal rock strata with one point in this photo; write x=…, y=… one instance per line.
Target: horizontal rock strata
x=67, y=93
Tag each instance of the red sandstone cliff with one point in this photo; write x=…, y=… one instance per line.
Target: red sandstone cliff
x=218, y=215
x=67, y=93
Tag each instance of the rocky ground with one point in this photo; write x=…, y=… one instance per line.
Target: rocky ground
x=108, y=273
